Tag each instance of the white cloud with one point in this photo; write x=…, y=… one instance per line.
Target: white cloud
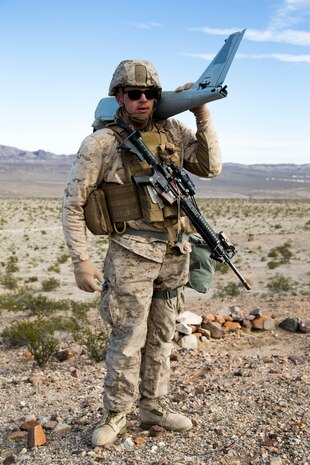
x=272, y=56
x=282, y=57
x=288, y=36
x=291, y=12
x=145, y=25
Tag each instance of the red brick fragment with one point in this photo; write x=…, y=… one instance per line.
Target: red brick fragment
x=220, y=319
x=232, y=326
x=263, y=322
x=36, y=436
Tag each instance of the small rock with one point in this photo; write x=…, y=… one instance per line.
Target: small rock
x=139, y=441
x=247, y=325
x=216, y=330
x=30, y=417
x=189, y=342
x=74, y=372
x=179, y=397
x=263, y=323
x=36, y=437
x=174, y=356
x=256, y=312
x=189, y=318
x=128, y=443
x=290, y=324
x=156, y=431
x=62, y=428
x=43, y=420
x=10, y=459
x=269, y=442
x=235, y=313
x=184, y=328
x=37, y=379
x=297, y=360
x=232, y=325
x=205, y=332
x=28, y=425
x=220, y=319
x=64, y=355
x=50, y=425
x=100, y=458
x=276, y=461
x=304, y=326
x=17, y=435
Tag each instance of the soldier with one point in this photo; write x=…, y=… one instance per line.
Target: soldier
x=147, y=262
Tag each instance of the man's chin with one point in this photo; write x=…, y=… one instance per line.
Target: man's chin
x=140, y=118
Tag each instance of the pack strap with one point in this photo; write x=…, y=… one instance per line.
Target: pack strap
x=155, y=234
x=167, y=295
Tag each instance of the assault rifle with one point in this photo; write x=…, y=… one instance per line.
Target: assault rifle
x=170, y=183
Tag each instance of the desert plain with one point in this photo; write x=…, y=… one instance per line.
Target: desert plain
x=247, y=393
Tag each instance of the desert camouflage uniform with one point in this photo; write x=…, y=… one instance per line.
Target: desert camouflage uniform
x=142, y=326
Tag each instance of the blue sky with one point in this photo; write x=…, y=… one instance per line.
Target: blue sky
x=57, y=58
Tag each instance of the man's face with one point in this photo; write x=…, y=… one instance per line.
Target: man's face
x=138, y=102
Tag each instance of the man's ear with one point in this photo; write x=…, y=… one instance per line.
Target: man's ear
x=119, y=97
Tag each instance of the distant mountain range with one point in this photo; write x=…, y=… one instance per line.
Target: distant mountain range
x=44, y=174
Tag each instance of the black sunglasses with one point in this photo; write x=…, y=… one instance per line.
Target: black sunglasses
x=135, y=94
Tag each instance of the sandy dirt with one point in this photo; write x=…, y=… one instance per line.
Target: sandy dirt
x=247, y=393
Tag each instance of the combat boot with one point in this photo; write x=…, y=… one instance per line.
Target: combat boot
x=157, y=412
x=107, y=430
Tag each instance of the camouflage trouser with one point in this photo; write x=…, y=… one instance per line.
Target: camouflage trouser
x=142, y=327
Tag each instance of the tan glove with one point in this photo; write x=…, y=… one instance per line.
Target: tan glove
x=186, y=86
x=85, y=272
x=201, y=112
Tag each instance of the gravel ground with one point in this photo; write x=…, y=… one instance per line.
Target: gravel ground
x=247, y=394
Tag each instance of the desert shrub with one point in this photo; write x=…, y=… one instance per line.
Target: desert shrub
x=54, y=268
x=231, y=290
x=9, y=281
x=279, y=283
x=21, y=332
x=272, y=264
x=31, y=279
x=16, y=334
x=12, y=264
x=95, y=342
x=50, y=284
x=281, y=255
x=43, y=347
x=36, y=334
x=307, y=226
x=25, y=301
x=63, y=258
x=222, y=267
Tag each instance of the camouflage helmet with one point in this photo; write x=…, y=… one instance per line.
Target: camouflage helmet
x=140, y=73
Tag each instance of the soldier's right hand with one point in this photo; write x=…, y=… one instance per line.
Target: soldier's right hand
x=85, y=273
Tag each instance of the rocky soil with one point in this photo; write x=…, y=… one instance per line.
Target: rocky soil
x=247, y=393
